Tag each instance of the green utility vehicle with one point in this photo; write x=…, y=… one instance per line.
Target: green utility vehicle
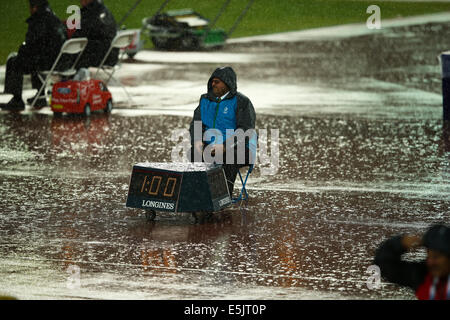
x=182, y=29
x=186, y=29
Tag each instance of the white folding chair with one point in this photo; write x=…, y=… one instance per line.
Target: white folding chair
x=72, y=46
x=122, y=40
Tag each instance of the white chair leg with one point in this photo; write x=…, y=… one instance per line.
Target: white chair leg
x=43, y=86
x=130, y=99
x=45, y=89
x=111, y=76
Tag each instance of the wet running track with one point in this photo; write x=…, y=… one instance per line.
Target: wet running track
x=363, y=155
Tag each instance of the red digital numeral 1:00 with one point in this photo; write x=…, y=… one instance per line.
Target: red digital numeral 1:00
x=155, y=183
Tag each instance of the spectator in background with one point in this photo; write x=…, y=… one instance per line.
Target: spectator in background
x=99, y=27
x=45, y=36
x=430, y=279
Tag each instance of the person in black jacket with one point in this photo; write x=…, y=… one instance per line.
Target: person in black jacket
x=99, y=27
x=224, y=110
x=430, y=279
x=45, y=36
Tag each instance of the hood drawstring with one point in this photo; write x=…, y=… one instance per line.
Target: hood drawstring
x=217, y=111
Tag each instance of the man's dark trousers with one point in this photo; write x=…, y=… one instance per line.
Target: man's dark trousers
x=230, y=169
x=16, y=68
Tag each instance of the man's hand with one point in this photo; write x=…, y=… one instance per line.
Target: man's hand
x=217, y=149
x=198, y=145
x=410, y=242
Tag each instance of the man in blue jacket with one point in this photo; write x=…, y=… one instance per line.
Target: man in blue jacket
x=223, y=110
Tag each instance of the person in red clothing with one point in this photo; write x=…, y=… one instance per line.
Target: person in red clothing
x=430, y=279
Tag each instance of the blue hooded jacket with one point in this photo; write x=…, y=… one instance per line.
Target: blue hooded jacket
x=235, y=111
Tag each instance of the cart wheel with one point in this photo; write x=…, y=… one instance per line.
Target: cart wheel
x=188, y=42
x=202, y=216
x=160, y=43
x=87, y=110
x=209, y=215
x=109, y=106
x=150, y=215
x=194, y=218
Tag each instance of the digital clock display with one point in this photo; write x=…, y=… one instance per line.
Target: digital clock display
x=153, y=189
x=178, y=187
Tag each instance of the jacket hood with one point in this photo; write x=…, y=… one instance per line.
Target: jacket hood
x=93, y=4
x=42, y=10
x=438, y=238
x=38, y=3
x=228, y=76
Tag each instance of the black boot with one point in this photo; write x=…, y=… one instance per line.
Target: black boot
x=15, y=104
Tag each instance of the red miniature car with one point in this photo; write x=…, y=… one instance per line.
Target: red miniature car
x=80, y=97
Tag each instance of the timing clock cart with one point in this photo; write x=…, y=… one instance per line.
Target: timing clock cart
x=80, y=97
x=178, y=187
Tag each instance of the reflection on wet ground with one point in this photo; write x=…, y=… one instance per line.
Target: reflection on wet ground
x=344, y=184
